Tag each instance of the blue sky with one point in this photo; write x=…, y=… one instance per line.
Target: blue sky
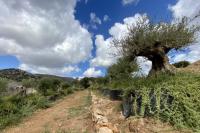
x=90, y=21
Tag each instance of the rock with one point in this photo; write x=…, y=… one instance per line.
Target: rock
x=104, y=130
x=99, y=118
x=137, y=126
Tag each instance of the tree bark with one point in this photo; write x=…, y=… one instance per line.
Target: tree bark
x=160, y=64
x=160, y=61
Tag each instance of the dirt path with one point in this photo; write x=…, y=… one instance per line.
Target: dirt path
x=69, y=115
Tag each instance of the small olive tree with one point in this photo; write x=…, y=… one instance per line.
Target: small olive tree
x=155, y=40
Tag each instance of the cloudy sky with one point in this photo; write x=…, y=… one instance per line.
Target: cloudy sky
x=72, y=37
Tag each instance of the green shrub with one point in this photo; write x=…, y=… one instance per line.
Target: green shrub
x=85, y=82
x=176, y=97
x=13, y=108
x=29, y=83
x=3, y=85
x=48, y=86
x=65, y=85
x=122, y=69
x=181, y=64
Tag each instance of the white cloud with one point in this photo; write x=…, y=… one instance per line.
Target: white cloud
x=126, y=2
x=52, y=71
x=106, y=18
x=192, y=55
x=188, y=8
x=144, y=66
x=43, y=34
x=92, y=72
x=106, y=52
x=94, y=20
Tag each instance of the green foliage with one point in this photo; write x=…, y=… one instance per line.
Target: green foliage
x=85, y=82
x=181, y=64
x=176, y=97
x=3, y=85
x=48, y=86
x=142, y=37
x=29, y=83
x=13, y=108
x=65, y=85
x=122, y=69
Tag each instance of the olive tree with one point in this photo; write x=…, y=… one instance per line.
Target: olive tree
x=155, y=40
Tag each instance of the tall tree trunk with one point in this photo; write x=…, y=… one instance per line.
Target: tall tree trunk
x=160, y=63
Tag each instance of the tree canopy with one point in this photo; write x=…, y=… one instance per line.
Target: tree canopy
x=155, y=40
x=143, y=37
x=122, y=69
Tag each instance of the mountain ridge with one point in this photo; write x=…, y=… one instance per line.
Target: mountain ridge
x=18, y=75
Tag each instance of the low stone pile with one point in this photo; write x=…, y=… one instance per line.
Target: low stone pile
x=101, y=123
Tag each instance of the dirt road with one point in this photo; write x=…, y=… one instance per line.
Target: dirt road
x=69, y=115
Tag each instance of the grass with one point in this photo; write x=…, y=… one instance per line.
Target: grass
x=79, y=110
x=14, y=108
x=3, y=85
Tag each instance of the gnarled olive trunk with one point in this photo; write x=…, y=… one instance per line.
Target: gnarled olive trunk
x=161, y=64
x=160, y=61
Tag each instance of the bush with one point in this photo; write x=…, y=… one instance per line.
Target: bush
x=13, y=108
x=29, y=83
x=122, y=69
x=48, y=86
x=171, y=98
x=3, y=85
x=85, y=82
x=65, y=85
x=181, y=64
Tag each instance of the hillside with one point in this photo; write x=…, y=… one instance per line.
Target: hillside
x=19, y=75
x=194, y=68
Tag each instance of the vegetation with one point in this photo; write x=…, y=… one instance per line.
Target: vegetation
x=14, y=107
x=155, y=40
x=47, y=86
x=3, y=85
x=171, y=98
x=122, y=70
x=79, y=110
x=181, y=64
x=85, y=83
x=29, y=83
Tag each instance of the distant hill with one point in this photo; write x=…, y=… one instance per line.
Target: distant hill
x=54, y=76
x=194, y=68
x=19, y=75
